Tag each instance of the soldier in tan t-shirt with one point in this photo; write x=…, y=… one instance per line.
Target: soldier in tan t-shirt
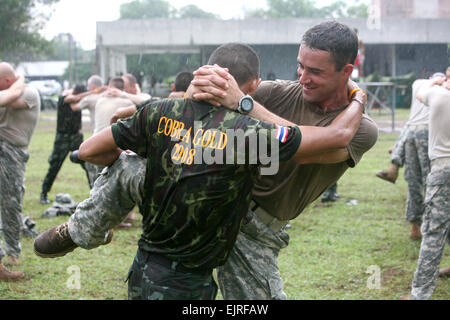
x=19, y=113
x=436, y=218
x=325, y=63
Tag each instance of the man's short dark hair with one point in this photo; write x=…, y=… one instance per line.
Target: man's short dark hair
x=336, y=38
x=183, y=80
x=117, y=82
x=240, y=59
x=79, y=88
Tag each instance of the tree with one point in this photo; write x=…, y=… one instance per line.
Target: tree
x=308, y=9
x=192, y=11
x=19, y=28
x=146, y=9
x=358, y=11
x=293, y=9
x=255, y=13
x=339, y=9
x=161, y=66
x=149, y=9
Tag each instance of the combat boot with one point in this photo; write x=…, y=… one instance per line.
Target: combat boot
x=44, y=199
x=330, y=195
x=389, y=174
x=55, y=242
x=415, y=231
x=444, y=272
x=12, y=261
x=8, y=275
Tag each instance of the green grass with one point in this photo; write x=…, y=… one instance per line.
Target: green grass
x=331, y=247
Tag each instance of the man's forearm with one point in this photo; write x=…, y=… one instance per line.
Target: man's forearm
x=100, y=149
x=347, y=122
x=74, y=98
x=135, y=98
x=10, y=95
x=316, y=140
x=123, y=113
x=426, y=86
x=104, y=159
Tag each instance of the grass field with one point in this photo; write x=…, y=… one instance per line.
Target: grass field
x=335, y=250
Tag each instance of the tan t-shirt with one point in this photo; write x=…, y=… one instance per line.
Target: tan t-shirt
x=17, y=125
x=105, y=108
x=287, y=193
x=438, y=99
x=419, y=113
x=89, y=103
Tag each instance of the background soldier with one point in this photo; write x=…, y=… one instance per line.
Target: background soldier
x=68, y=138
x=19, y=113
x=436, y=222
x=180, y=85
x=412, y=149
x=88, y=100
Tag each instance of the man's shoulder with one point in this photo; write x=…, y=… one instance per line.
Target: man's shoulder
x=30, y=92
x=108, y=101
x=367, y=133
x=367, y=125
x=168, y=107
x=31, y=97
x=90, y=99
x=435, y=94
x=279, y=86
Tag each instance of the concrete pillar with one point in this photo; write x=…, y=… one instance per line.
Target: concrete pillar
x=117, y=63
x=393, y=60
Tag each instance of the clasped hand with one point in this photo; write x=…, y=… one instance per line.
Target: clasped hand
x=215, y=85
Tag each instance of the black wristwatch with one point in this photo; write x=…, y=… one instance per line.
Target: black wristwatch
x=245, y=104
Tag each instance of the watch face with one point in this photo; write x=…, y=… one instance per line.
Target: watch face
x=247, y=105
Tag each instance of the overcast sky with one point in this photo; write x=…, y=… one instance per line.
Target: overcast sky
x=79, y=17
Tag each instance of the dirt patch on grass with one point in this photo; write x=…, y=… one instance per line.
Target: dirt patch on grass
x=396, y=278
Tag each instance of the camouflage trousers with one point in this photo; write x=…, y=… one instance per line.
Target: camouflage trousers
x=92, y=172
x=435, y=229
x=12, y=177
x=417, y=167
x=116, y=191
x=151, y=277
x=64, y=143
x=398, y=153
x=251, y=271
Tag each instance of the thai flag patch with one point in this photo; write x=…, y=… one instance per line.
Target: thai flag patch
x=282, y=133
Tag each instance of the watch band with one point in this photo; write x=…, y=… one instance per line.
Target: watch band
x=353, y=92
x=355, y=98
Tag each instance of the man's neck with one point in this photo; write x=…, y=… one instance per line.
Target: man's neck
x=336, y=101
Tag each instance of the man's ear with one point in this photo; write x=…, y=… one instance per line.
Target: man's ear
x=172, y=86
x=254, y=84
x=9, y=81
x=348, y=69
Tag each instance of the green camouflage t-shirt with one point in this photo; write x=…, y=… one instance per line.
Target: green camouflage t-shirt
x=201, y=161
